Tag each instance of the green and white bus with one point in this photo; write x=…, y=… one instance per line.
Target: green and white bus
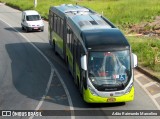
x=97, y=54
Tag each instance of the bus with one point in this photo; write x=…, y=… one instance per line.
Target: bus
x=96, y=53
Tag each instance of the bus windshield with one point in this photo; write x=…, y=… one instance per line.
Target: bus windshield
x=109, y=69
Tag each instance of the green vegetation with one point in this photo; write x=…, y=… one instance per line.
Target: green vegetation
x=148, y=52
x=123, y=13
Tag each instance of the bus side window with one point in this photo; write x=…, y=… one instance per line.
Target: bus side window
x=58, y=25
x=70, y=40
x=69, y=31
x=55, y=22
x=78, y=52
x=52, y=20
x=68, y=35
x=61, y=30
x=74, y=43
x=75, y=46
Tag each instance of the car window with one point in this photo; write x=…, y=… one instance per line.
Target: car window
x=33, y=17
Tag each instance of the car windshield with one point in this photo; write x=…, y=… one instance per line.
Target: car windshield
x=33, y=17
x=109, y=68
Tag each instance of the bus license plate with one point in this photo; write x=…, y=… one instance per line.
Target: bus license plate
x=111, y=100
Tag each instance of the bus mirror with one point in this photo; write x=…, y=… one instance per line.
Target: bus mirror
x=84, y=62
x=134, y=60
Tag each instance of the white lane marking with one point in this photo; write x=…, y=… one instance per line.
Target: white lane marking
x=138, y=75
x=152, y=98
x=50, y=78
x=67, y=93
x=149, y=84
x=156, y=95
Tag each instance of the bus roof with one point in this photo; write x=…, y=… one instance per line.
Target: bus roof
x=82, y=17
x=97, y=30
x=68, y=10
x=90, y=21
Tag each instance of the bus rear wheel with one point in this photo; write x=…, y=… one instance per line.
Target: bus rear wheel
x=54, y=47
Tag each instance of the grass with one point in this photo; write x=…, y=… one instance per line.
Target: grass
x=123, y=13
x=148, y=51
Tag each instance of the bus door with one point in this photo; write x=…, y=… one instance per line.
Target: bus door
x=74, y=58
x=64, y=39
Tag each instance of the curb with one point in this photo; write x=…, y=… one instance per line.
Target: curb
x=148, y=74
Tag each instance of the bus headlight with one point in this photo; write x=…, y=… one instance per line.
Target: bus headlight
x=129, y=89
x=92, y=91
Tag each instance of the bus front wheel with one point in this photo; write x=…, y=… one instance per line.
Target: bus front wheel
x=81, y=86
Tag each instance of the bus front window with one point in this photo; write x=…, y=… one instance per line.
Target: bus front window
x=109, y=69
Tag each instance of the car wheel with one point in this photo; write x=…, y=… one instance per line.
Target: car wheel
x=27, y=30
x=22, y=28
x=42, y=29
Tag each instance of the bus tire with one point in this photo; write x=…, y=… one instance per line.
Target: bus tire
x=54, y=47
x=77, y=81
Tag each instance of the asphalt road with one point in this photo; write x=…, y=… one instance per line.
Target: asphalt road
x=32, y=77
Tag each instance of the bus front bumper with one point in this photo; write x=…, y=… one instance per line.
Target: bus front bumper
x=89, y=98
